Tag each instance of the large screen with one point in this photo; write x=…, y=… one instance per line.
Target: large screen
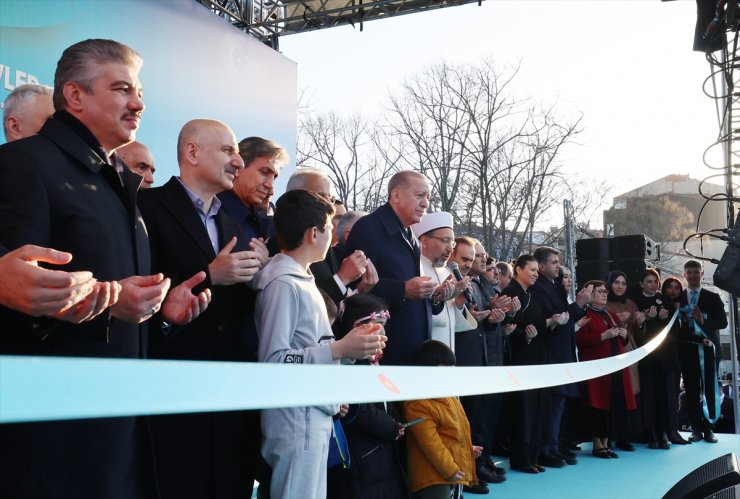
x=196, y=65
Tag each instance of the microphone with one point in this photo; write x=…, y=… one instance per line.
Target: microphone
x=456, y=272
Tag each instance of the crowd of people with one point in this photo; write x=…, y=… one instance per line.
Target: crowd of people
x=97, y=263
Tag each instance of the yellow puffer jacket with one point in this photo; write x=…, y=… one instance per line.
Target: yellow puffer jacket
x=440, y=445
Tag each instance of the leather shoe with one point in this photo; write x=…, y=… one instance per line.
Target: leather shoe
x=709, y=437
x=696, y=436
x=489, y=476
x=566, y=452
x=570, y=460
x=475, y=489
x=624, y=445
x=526, y=469
x=496, y=469
x=550, y=461
x=675, y=438
x=663, y=441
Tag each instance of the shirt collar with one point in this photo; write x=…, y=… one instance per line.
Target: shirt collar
x=199, y=203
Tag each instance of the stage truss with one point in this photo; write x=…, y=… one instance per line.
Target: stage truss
x=268, y=20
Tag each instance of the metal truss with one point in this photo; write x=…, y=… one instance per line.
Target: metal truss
x=268, y=20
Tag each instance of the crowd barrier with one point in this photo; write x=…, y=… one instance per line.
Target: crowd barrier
x=53, y=388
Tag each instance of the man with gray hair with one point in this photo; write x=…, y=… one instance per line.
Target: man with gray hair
x=344, y=227
x=71, y=197
x=25, y=110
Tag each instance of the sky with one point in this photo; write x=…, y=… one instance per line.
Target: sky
x=627, y=65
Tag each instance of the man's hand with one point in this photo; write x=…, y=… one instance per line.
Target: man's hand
x=444, y=292
x=260, y=251
x=497, y=315
x=232, y=268
x=352, y=267
x=181, y=306
x=104, y=295
x=584, y=296
x=419, y=288
x=461, y=285
x=369, y=278
x=558, y=319
x=36, y=291
x=530, y=331
x=501, y=302
x=140, y=298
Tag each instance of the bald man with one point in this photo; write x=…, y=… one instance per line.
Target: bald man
x=207, y=454
x=25, y=110
x=138, y=158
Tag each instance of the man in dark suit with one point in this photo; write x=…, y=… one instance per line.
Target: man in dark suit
x=385, y=237
x=708, y=312
x=332, y=277
x=210, y=455
x=61, y=189
x=561, y=349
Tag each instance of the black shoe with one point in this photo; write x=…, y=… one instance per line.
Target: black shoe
x=566, y=452
x=540, y=468
x=696, y=436
x=675, y=438
x=550, y=461
x=570, y=460
x=572, y=445
x=663, y=441
x=624, y=445
x=475, y=489
x=489, y=476
x=611, y=453
x=603, y=453
x=532, y=470
x=490, y=465
x=709, y=437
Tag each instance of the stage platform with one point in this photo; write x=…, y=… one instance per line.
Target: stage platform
x=643, y=474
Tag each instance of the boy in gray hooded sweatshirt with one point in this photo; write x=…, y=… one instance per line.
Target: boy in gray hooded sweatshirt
x=293, y=328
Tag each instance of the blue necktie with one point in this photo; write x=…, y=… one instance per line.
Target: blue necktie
x=694, y=297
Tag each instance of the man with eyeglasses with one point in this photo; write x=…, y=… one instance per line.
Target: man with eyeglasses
x=437, y=242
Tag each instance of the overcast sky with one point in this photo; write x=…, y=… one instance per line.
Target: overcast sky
x=627, y=65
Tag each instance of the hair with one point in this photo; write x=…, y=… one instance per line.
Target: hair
x=668, y=280
x=402, y=179
x=649, y=272
x=299, y=178
x=522, y=261
x=469, y=241
x=692, y=264
x=433, y=353
x=596, y=284
x=505, y=269
x=356, y=307
x=252, y=148
x=610, y=278
x=338, y=202
x=80, y=64
x=490, y=260
x=348, y=220
x=21, y=95
x=542, y=253
x=295, y=212
x=332, y=311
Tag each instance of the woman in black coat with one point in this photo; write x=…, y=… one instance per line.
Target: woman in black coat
x=526, y=348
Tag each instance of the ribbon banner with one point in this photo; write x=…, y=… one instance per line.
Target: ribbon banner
x=53, y=388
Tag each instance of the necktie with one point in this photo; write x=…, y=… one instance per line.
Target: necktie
x=694, y=297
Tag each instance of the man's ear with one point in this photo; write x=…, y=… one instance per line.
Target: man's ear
x=310, y=235
x=12, y=128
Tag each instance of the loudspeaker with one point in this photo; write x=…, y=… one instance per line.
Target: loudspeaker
x=632, y=247
x=728, y=493
x=727, y=274
x=591, y=270
x=707, y=479
x=592, y=249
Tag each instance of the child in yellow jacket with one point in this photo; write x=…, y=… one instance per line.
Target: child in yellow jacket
x=441, y=455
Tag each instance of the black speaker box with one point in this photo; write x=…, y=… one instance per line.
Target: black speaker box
x=707, y=479
x=632, y=247
x=591, y=270
x=632, y=268
x=592, y=249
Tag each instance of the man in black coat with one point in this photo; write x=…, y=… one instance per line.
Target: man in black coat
x=62, y=189
x=385, y=238
x=205, y=455
x=561, y=348
x=708, y=312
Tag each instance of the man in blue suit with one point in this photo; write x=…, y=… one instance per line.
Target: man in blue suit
x=386, y=239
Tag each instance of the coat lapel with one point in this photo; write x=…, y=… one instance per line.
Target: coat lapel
x=180, y=207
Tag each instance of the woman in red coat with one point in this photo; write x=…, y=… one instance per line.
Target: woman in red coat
x=610, y=397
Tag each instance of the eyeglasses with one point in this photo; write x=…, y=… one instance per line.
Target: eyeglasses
x=382, y=315
x=447, y=241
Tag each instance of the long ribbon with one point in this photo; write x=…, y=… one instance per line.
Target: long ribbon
x=53, y=388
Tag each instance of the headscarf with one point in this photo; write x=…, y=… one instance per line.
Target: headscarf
x=610, y=278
